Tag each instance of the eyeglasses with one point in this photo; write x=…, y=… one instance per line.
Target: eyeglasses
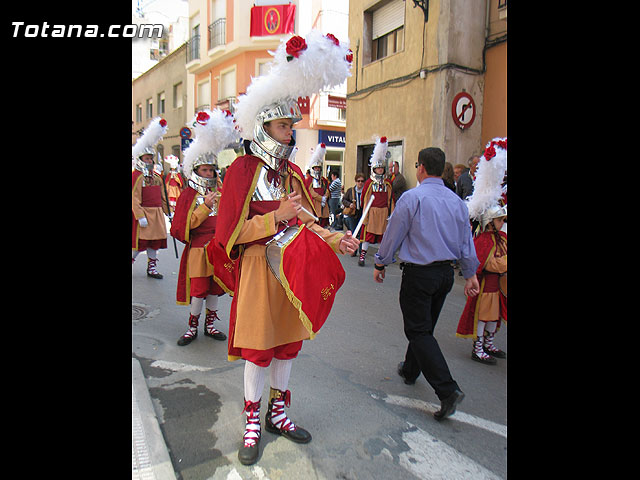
x=360, y=181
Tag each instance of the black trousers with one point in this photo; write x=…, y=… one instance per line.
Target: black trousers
x=422, y=295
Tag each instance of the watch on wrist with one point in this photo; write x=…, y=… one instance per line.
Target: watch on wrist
x=377, y=267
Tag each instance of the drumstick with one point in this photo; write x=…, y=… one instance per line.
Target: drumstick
x=364, y=214
x=305, y=210
x=309, y=213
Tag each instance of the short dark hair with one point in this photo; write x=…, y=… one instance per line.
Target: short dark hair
x=433, y=160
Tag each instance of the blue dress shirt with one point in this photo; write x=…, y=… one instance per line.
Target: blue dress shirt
x=430, y=223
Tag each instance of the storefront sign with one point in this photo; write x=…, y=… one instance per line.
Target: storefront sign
x=331, y=138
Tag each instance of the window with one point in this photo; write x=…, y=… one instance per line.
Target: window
x=227, y=85
x=161, y=107
x=388, y=44
x=204, y=95
x=138, y=113
x=149, y=108
x=177, y=95
x=263, y=67
x=383, y=30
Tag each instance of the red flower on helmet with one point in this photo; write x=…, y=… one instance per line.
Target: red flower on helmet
x=323, y=145
x=295, y=46
x=489, y=152
x=202, y=118
x=383, y=139
x=163, y=122
x=349, y=56
x=333, y=38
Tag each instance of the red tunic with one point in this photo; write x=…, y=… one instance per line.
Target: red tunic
x=485, y=245
x=235, y=208
x=191, y=237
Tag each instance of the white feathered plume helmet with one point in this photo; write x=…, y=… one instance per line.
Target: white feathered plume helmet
x=300, y=67
x=316, y=160
x=484, y=202
x=379, y=158
x=173, y=161
x=214, y=131
x=150, y=138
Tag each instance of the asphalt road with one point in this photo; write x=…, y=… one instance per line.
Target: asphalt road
x=366, y=423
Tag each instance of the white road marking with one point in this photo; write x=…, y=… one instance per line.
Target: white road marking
x=458, y=416
x=430, y=458
x=179, y=367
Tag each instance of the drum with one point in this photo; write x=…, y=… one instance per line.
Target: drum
x=502, y=284
x=308, y=270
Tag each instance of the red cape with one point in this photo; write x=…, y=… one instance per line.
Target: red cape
x=136, y=175
x=180, y=230
x=485, y=244
x=239, y=184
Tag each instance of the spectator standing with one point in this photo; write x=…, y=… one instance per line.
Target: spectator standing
x=352, y=203
x=464, y=187
x=335, y=188
x=398, y=182
x=448, y=176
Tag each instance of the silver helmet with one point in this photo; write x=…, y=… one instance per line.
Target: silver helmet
x=214, y=131
x=490, y=213
x=204, y=185
x=146, y=145
x=316, y=161
x=379, y=159
x=263, y=145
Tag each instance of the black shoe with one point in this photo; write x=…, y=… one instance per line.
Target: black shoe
x=249, y=455
x=154, y=275
x=486, y=361
x=184, y=340
x=299, y=435
x=361, y=262
x=495, y=353
x=215, y=336
x=448, y=405
x=401, y=373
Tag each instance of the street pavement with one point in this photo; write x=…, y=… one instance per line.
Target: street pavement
x=366, y=423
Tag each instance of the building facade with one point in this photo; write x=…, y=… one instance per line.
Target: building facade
x=420, y=79
x=160, y=91
x=222, y=56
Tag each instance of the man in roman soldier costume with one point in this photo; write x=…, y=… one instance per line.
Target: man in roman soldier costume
x=194, y=221
x=482, y=315
x=173, y=181
x=276, y=307
x=148, y=199
x=318, y=185
x=375, y=223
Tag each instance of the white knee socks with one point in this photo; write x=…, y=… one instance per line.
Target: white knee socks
x=212, y=302
x=253, y=381
x=254, y=378
x=196, y=305
x=279, y=374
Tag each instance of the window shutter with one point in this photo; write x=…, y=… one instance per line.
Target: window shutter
x=387, y=18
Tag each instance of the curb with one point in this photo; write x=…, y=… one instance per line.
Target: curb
x=149, y=451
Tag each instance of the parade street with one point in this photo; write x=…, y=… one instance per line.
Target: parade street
x=365, y=421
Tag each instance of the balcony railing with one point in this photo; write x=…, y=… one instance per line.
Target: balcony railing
x=193, y=48
x=218, y=33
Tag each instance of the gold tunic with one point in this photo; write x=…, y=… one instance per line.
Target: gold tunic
x=265, y=316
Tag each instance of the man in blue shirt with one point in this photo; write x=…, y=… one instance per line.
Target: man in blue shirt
x=430, y=226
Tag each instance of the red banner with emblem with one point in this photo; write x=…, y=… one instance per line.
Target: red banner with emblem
x=272, y=20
